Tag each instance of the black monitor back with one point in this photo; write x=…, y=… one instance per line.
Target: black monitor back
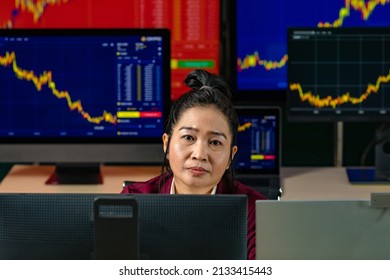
x=61, y=226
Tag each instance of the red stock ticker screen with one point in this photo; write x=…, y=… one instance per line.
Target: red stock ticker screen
x=194, y=25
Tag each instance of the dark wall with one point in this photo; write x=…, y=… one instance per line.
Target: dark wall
x=314, y=143
x=357, y=137
x=4, y=168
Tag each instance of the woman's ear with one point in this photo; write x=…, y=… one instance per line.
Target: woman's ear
x=165, y=139
x=234, y=151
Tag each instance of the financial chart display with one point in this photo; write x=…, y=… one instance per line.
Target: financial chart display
x=339, y=74
x=194, y=25
x=261, y=43
x=258, y=143
x=87, y=84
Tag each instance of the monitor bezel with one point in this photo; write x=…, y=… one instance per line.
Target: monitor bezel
x=50, y=238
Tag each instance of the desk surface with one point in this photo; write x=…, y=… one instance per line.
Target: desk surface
x=32, y=178
x=326, y=183
x=299, y=183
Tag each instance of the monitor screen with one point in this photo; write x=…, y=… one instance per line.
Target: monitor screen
x=260, y=44
x=62, y=226
x=258, y=140
x=83, y=95
x=322, y=230
x=194, y=25
x=342, y=75
x=338, y=74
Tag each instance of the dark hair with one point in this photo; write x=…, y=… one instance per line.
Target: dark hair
x=207, y=89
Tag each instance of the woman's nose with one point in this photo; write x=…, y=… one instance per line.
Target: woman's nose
x=200, y=151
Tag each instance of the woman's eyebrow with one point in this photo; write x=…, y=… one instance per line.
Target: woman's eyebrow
x=217, y=133
x=188, y=128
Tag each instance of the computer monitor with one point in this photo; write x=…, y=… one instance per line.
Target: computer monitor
x=342, y=74
x=260, y=45
x=61, y=226
x=322, y=230
x=257, y=161
x=258, y=140
x=83, y=96
x=338, y=74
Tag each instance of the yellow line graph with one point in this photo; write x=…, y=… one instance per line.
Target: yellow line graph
x=244, y=126
x=361, y=6
x=254, y=60
x=329, y=101
x=45, y=78
x=36, y=8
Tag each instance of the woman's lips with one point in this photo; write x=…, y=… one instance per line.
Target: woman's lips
x=197, y=171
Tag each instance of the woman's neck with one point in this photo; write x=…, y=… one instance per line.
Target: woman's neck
x=183, y=189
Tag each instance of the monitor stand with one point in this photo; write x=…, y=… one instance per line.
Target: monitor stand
x=76, y=173
x=380, y=173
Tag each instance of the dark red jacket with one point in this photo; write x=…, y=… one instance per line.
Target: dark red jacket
x=152, y=186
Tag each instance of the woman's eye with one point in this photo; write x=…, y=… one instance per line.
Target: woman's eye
x=215, y=143
x=188, y=137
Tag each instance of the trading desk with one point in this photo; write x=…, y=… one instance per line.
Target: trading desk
x=324, y=183
x=32, y=178
x=298, y=183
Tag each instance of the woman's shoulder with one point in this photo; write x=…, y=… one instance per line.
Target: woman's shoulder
x=150, y=186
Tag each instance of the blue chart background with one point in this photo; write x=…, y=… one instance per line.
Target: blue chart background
x=262, y=27
x=32, y=111
x=247, y=146
x=86, y=70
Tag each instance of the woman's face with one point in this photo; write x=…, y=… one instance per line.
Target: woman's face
x=200, y=150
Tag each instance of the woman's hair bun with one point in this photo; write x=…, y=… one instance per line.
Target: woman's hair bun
x=199, y=79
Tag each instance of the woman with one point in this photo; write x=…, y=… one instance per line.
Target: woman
x=200, y=144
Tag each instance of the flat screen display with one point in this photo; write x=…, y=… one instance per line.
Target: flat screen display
x=83, y=95
x=261, y=36
x=338, y=74
x=85, y=84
